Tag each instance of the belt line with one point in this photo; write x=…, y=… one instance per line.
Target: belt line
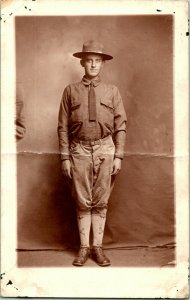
x=91, y=143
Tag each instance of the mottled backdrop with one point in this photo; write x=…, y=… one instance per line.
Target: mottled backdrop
x=141, y=211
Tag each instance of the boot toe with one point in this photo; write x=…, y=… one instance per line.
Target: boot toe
x=78, y=262
x=105, y=262
x=99, y=257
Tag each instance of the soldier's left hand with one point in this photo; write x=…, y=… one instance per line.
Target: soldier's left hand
x=116, y=166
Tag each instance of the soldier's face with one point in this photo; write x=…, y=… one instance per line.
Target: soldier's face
x=92, y=64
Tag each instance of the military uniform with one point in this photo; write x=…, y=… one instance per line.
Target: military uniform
x=91, y=144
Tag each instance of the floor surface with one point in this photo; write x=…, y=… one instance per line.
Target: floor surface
x=136, y=257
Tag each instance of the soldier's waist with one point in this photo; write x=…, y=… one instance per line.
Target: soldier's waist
x=91, y=142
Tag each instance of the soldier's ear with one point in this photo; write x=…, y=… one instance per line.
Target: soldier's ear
x=82, y=63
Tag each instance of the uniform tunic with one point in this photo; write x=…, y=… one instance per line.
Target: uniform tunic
x=91, y=163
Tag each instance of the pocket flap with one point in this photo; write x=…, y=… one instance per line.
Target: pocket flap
x=107, y=102
x=75, y=102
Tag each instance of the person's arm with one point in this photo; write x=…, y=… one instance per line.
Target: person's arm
x=19, y=120
x=63, y=120
x=120, y=120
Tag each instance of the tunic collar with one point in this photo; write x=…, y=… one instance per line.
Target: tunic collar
x=86, y=81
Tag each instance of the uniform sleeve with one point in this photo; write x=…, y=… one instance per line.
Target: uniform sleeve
x=20, y=120
x=120, y=120
x=62, y=129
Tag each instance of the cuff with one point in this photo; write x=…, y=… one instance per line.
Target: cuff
x=65, y=156
x=119, y=156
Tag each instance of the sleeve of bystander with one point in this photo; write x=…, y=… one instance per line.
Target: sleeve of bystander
x=20, y=119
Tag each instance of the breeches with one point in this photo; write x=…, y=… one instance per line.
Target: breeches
x=91, y=175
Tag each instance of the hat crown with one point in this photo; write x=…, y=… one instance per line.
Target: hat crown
x=92, y=46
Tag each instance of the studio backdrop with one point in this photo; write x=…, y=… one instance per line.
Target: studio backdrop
x=141, y=208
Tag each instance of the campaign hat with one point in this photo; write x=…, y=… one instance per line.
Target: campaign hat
x=92, y=47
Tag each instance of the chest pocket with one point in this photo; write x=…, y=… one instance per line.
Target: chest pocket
x=75, y=110
x=107, y=104
x=75, y=103
x=107, y=112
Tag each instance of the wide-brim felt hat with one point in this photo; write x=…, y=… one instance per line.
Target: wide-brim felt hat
x=92, y=47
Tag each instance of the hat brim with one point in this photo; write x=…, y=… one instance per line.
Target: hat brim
x=83, y=54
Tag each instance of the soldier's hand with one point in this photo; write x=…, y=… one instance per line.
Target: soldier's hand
x=116, y=166
x=66, y=168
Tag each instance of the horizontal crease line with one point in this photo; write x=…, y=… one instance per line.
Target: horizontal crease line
x=39, y=249
x=125, y=154
x=165, y=246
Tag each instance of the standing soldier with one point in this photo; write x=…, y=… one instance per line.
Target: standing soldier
x=91, y=131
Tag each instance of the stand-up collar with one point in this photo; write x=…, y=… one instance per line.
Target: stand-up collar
x=87, y=81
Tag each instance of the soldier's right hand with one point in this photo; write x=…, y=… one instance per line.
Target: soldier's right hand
x=66, y=168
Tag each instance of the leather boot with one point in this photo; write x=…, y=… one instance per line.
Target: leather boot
x=82, y=256
x=100, y=258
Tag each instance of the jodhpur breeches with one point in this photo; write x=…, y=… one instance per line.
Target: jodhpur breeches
x=91, y=175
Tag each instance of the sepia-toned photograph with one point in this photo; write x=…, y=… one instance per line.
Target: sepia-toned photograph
x=94, y=133
x=105, y=102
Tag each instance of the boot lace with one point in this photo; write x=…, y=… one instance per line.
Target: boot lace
x=99, y=251
x=82, y=252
